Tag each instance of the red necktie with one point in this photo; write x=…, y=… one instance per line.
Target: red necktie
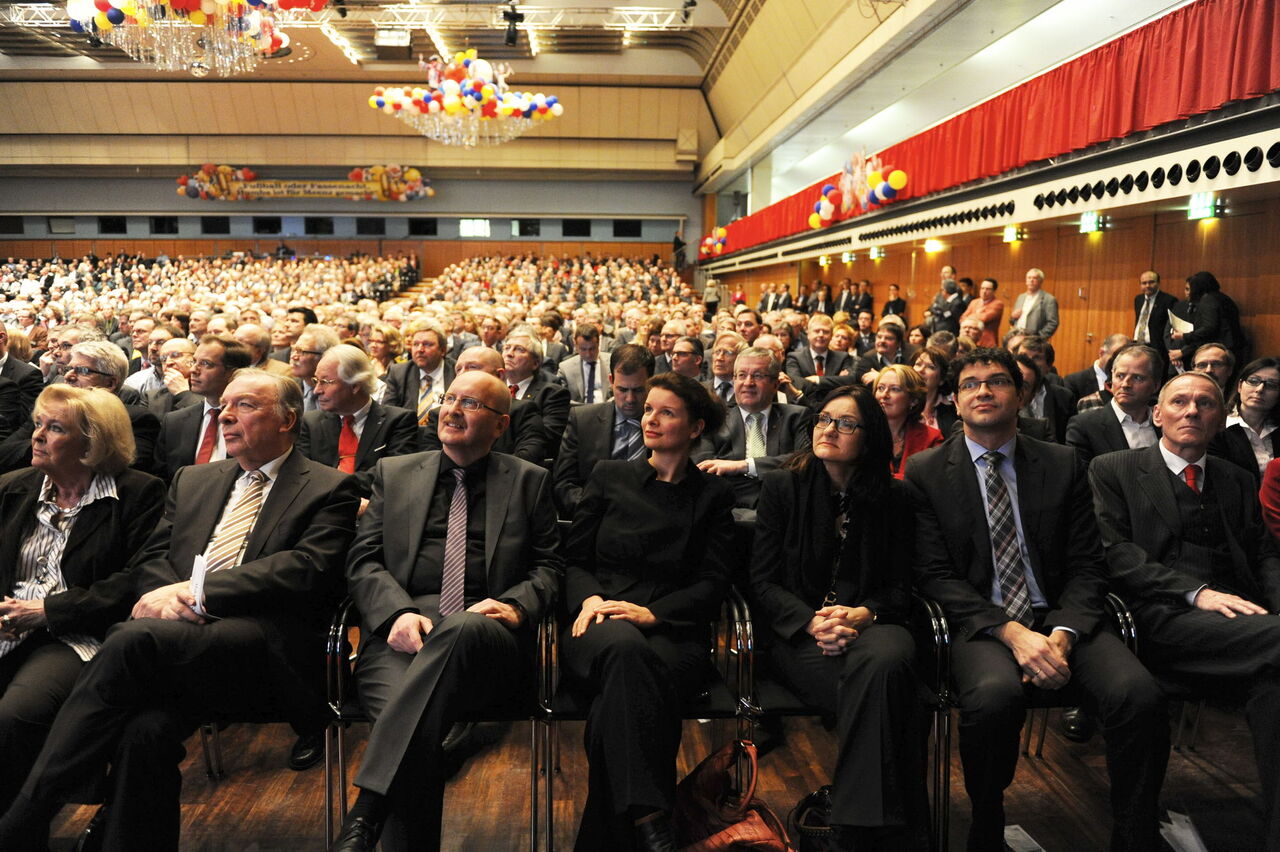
x=513, y=389
x=347, y=445
x=821, y=364
x=1192, y=474
x=210, y=439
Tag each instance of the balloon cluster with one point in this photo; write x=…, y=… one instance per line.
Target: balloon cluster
x=251, y=21
x=468, y=85
x=834, y=205
x=715, y=243
x=396, y=183
x=214, y=182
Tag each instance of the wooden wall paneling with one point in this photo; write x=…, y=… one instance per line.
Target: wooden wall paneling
x=1118, y=257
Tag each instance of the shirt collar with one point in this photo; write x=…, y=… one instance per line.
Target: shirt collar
x=1237, y=420
x=102, y=487
x=619, y=418
x=977, y=451
x=272, y=467
x=1177, y=464
x=1125, y=418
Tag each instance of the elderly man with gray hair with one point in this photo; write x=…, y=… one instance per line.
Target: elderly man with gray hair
x=350, y=430
x=305, y=354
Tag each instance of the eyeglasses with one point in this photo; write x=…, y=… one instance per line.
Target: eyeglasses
x=1259, y=382
x=86, y=371
x=315, y=353
x=177, y=356
x=466, y=403
x=205, y=364
x=844, y=425
x=993, y=383
x=724, y=353
x=681, y=353
x=1209, y=365
x=755, y=377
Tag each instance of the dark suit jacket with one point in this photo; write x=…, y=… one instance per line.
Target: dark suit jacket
x=800, y=365
x=1059, y=407
x=1081, y=382
x=953, y=541
x=1217, y=320
x=1096, y=432
x=524, y=438
x=552, y=401
x=103, y=540
x=402, y=384
x=788, y=431
x=179, y=439
x=795, y=549
x=847, y=301
x=1158, y=325
x=13, y=411
x=388, y=431
x=1142, y=530
x=161, y=401
x=30, y=381
x=588, y=438
x=520, y=548
x=1233, y=445
x=290, y=578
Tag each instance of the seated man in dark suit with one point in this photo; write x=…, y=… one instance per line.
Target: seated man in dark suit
x=175, y=362
x=1007, y=545
x=448, y=611
x=759, y=434
x=1093, y=378
x=606, y=430
x=350, y=431
x=808, y=364
x=1188, y=552
x=191, y=435
x=1125, y=423
x=415, y=384
x=26, y=375
x=524, y=438
x=522, y=357
x=1043, y=401
x=238, y=582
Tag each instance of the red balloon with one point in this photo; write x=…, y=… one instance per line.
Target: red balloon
x=835, y=198
x=182, y=181
x=101, y=5
x=317, y=5
x=249, y=174
x=456, y=73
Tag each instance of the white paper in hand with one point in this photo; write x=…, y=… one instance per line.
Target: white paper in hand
x=1177, y=323
x=199, y=568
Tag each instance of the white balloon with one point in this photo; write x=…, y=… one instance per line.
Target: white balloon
x=450, y=87
x=557, y=109
x=481, y=70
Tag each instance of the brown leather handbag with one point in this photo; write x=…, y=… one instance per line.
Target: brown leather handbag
x=711, y=815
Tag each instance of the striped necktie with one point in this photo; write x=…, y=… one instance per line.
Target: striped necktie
x=453, y=579
x=1004, y=539
x=755, y=435
x=424, y=400
x=626, y=440
x=233, y=530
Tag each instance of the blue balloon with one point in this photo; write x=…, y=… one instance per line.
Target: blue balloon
x=115, y=16
x=193, y=191
x=380, y=102
x=885, y=191
x=829, y=187
x=817, y=207
x=76, y=26
x=871, y=198
x=552, y=101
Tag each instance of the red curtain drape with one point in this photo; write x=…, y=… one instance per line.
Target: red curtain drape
x=1191, y=61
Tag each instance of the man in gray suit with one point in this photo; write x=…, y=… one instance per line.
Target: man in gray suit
x=585, y=373
x=1035, y=311
x=450, y=587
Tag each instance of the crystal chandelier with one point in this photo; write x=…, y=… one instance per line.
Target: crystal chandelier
x=225, y=37
x=466, y=102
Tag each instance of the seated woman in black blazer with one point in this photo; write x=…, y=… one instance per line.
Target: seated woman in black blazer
x=644, y=578
x=1251, y=437
x=69, y=525
x=830, y=574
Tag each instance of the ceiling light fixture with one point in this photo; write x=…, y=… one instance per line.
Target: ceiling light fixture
x=512, y=17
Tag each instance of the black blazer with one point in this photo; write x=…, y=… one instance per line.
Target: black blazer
x=953, y=541
x=626, y=543
x=402, y=384
x=1081, y=383
x=1217, y=320
x=552, y=401
x=1059, y=408
x=104, y=538
x=30, y=381
x=1233, y=445
x=1158, y=325
x=290, y=579
x=800, y=365
x=388, y=431
x=794, y=551
x=179, y=438
x=789, y=430
x=524, y=438
x=1142, y=529
x=588, y=438
x=1096, y=432
x=13, y=412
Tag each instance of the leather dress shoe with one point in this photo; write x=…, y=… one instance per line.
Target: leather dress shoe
x=358, y=835
x=307, y=751
x=655, y=835
x=458, y=738
x=1077, y=725
x=91, y=839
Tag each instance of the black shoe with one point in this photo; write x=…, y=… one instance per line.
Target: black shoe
x=91, y=838
x=358, y=835
x=459, y=737
x=654, y=835
x=1077, y=725
x=307, y=751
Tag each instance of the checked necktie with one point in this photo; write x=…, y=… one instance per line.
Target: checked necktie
x=1004, y=538
x=453, y=580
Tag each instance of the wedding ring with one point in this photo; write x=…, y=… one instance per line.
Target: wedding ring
x=6, y=619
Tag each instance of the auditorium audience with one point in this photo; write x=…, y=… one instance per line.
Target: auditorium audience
x=71, y=524
x=645, y=574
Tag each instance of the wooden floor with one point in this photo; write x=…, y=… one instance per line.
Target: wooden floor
x=261, y=806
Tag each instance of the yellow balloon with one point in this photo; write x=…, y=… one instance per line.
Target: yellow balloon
x=472, y=53
x=815, y=221
x=182, y=190
x=897, y=179
x=197, y=17
x=874, y=179
x=459, y=56
x=130, y=9
x=373, y=102
x=412, y=174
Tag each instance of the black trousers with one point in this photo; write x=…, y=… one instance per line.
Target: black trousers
x=1237, y=656
x=872, y=691
x=135, y=703
x=36, y=677
x=638, y=682
x=468, y=663
x=1106, y=679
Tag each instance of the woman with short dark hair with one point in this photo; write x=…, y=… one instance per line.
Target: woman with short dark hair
x=1251, y=438
x=645, y=576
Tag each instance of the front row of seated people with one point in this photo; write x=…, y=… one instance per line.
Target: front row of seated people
x=456, y=560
